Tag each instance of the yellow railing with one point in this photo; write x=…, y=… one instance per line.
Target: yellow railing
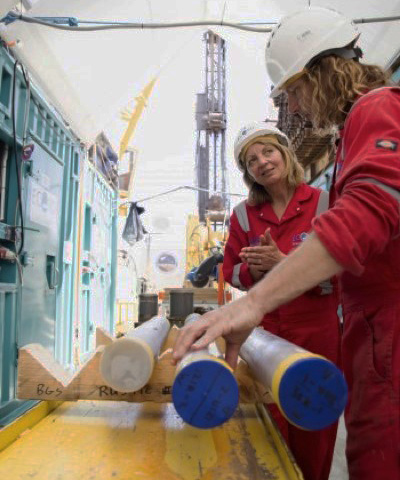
x=127, y=315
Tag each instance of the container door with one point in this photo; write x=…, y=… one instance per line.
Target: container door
x=41, y=241
x=68, y=292
x=98, y=257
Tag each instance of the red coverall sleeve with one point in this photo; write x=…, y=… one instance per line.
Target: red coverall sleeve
x=240, y=276
x=365, y=217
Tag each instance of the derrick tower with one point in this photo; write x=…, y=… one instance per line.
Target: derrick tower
x=213, y=203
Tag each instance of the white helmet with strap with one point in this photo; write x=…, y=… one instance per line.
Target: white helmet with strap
x=252, y=131
x=303, y=37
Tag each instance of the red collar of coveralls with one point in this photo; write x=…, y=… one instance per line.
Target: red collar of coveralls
x=340, y=133
x=373, y=91
x=366, y=92
x=303, y=192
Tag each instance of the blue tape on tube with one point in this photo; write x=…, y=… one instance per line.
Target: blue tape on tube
x=205, y=393
x=312, y=393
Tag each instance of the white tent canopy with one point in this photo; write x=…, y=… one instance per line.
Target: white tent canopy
x=91, y=76
x=82, y=71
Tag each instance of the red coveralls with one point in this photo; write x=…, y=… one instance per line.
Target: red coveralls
x=309, y=321
x=361, y=231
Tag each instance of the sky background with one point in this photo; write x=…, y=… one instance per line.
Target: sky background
x=166, y=143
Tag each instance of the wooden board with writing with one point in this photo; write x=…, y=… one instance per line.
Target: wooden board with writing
x=41, y=377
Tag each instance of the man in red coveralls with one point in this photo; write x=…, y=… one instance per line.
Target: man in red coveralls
x=311, y=55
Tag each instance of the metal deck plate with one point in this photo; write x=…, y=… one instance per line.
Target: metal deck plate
x=94, y=440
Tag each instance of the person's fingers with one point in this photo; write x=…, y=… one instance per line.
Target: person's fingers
x=254, y=262
x=185, y=339
x=231, y=354
x=209, y=336
x=245, y=250
x=243, y=255
x=252, y=250
x=251, y=254
x=257, y=268
x=259, y=264
x=265, y=254
x=268, y=238
x=258, y=250
x=263, y=240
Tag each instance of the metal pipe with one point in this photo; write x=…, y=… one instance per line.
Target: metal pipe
x=136, y=25
x=377, y=19
x=309, y=390
x=126, y=25
x=127, y=364
x=205, y=391
x=356, y=20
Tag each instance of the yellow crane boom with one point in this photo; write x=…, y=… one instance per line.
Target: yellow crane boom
x=133, y=117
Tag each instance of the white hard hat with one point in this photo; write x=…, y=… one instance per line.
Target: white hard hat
x=302, y=36
x=254, y=130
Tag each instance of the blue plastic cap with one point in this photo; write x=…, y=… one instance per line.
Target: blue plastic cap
x=205, y=393
x=312, y=393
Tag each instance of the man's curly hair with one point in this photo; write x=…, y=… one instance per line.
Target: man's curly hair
x=336, y=83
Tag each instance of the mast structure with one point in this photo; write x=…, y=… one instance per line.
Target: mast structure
x=211, y=177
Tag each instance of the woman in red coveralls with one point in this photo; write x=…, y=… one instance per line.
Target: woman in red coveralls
x=311, y=55
x=274, y=220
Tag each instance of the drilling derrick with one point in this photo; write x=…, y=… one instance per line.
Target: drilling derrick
x=211, y=178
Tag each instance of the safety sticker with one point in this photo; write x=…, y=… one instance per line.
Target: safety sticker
x=386, y=144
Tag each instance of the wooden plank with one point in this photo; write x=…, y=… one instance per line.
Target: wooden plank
x=103, y=337
x=41, y=377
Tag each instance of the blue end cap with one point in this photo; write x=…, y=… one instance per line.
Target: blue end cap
x=205, y=394
x=313, y=393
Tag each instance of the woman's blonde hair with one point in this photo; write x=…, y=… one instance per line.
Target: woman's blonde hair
x=294, y=173
x=336, y=83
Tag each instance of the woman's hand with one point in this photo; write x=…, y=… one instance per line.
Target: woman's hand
x=234, y=322
x=263, y=257
x=256, y=272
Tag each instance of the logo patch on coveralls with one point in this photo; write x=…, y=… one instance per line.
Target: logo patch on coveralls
x=386, y=144
x=298, y=238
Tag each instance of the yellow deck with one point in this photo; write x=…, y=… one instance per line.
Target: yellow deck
x=95, y=440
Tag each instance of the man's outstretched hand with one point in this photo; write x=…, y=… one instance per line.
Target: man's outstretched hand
x=233, y=322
